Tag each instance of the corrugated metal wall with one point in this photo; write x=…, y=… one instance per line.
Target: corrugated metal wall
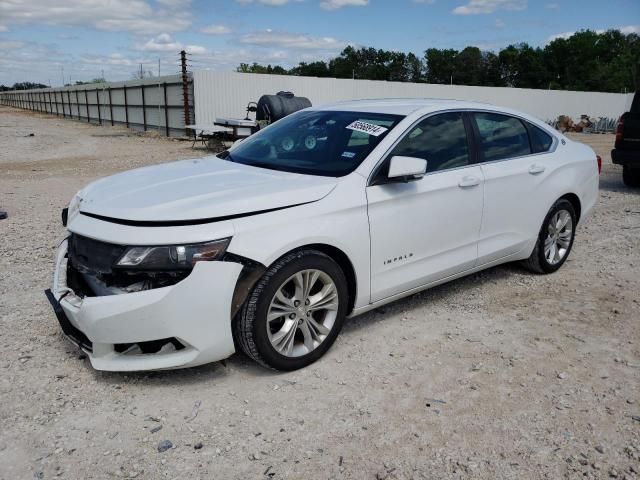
x=145, y=107
x=226, y=94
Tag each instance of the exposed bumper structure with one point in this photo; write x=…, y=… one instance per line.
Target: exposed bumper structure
x=195, y=313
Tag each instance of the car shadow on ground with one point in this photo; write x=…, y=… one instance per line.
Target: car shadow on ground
x=613, y=183
x=241, y=364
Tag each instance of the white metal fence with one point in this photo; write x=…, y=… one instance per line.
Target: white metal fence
x=156, y=103
x=226, y=94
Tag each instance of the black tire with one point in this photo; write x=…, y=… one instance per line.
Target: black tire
x=537, y=262
x=631, y=176
x=250, y=329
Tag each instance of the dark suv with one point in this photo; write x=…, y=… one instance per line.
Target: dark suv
x=627, y=147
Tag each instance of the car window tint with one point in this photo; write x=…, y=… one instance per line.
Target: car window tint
x=440, y=139
x=501, y=136
x=540, y=140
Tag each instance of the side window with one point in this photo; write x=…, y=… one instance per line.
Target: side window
x=440, y=139
x=501, y=136
x=541, y=141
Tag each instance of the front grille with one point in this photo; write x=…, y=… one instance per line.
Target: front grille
x=93, y=256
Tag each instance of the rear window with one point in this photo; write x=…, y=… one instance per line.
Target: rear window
x=541, y=141
x=501, y=136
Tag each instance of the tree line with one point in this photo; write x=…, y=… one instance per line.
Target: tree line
x=587, y=61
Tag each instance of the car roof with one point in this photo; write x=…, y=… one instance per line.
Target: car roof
x=405, y=106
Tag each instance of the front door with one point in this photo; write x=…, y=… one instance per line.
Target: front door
x=426, y=230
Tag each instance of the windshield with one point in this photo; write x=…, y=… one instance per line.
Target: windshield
x=326, y=143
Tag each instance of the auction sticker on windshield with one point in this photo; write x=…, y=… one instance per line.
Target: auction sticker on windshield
x=368, y=128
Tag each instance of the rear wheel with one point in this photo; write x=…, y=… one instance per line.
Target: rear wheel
x=631, y=176
x=554, y=240
x=295, y=312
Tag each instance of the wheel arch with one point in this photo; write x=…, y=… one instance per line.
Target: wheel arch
x=338, y=256
x=574, y=200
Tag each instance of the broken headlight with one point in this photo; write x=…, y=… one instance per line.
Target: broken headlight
x=172, y=257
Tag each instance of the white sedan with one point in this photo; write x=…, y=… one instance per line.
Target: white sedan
x=325, y=214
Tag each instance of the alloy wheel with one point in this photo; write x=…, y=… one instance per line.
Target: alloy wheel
x=558, y=239
x=302, y=313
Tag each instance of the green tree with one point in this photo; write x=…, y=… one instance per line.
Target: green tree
x=441, y=65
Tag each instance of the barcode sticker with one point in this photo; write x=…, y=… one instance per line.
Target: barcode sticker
x=368, y=128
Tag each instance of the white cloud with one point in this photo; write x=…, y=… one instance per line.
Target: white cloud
x=136, y=16
x=475, y=7
x=336, y=4
x=625, y=30
x=271, y=3
x=564, y=35
x=630, y=29
x=165, y=43
x=215, y=29
x=175, y=4
x=499, y=23
x=3, y=28
x=10, y=45
x=291, y=40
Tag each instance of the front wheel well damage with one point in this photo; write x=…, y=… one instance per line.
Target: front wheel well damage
x=334, y=253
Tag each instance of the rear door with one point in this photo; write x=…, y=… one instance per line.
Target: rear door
x=515, y=160
x=425, y=230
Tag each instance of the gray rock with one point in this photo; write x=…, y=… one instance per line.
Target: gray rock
x=198, y=446
x=164, y=445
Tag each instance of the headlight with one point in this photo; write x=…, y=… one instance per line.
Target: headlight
x=172, y=257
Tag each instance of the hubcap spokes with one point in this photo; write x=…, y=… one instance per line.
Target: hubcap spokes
x=302, y=313
x=558, y=239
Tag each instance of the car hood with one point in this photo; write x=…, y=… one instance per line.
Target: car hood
x=199, y=189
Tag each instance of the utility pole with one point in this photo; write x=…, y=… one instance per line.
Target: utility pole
x=158, y=66
x=62, y=72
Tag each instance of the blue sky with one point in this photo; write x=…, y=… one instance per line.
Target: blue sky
x=42, y=40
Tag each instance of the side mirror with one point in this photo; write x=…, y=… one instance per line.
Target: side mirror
x=405, y=169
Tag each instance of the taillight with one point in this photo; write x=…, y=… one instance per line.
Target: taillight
x=599, y=159
x=619, y=130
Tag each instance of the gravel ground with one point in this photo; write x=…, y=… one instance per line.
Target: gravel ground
x=502, y=374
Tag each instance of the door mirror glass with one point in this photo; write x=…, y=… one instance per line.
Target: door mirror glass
x=406, y=168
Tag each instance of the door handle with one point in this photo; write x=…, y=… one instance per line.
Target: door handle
x=535, y=169
x=469, y=181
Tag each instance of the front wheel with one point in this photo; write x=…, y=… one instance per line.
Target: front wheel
x=295, y=311
x=555, y=239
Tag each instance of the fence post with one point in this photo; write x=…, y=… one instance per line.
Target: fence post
x=185, y=91
x=78, y=104
x=110, y=106
x=55, y=96
x=126, y=107
x=50, y=104
x=166, y=112
x=98, y=106
x=86, y=104
x=144, y=110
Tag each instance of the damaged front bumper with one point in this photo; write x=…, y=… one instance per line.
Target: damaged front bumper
x=186, y=324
